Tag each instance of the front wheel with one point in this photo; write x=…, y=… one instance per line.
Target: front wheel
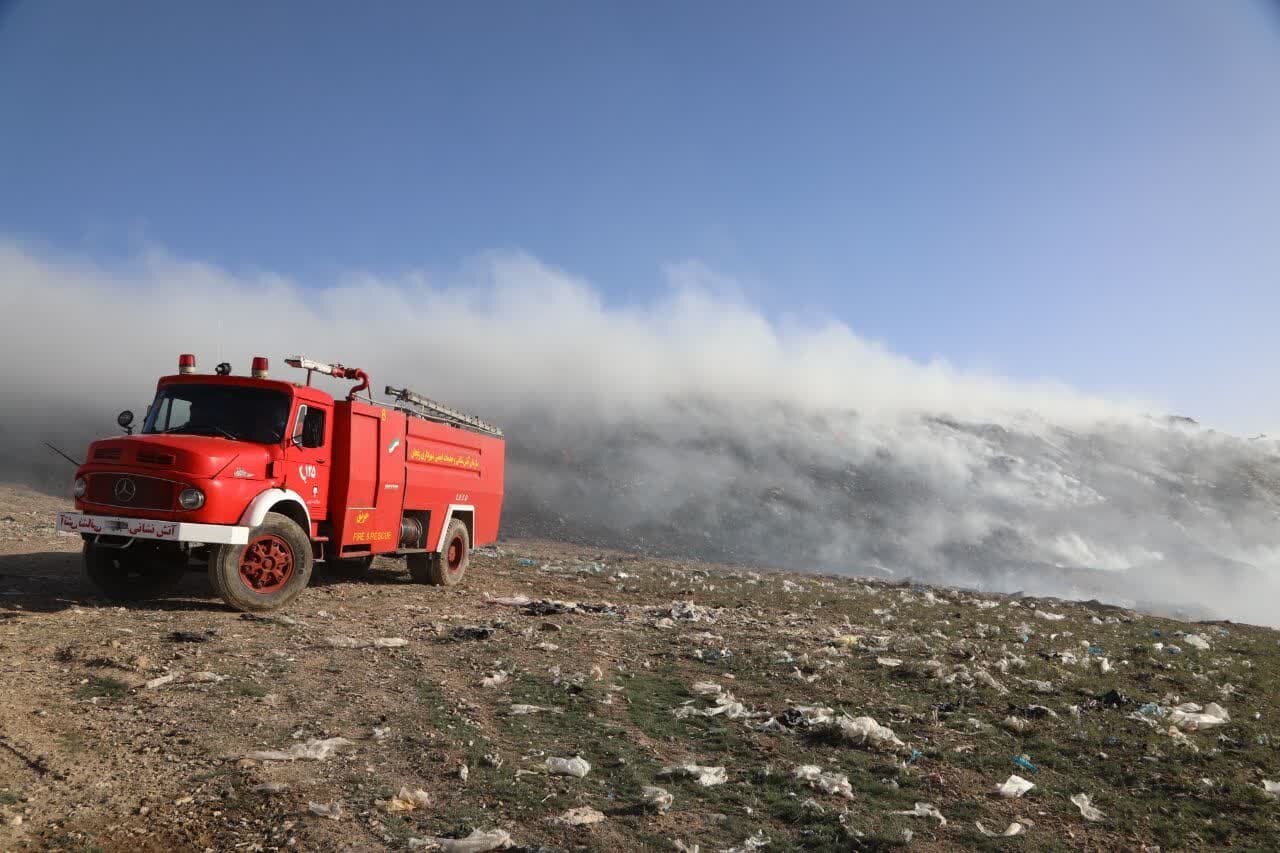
x=268, y=572
x=449, y=567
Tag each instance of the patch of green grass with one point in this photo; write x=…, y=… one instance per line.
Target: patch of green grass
x=249, y=688
x=398, y=828
x=102, y=686
x=9, y=798
x=76, y=743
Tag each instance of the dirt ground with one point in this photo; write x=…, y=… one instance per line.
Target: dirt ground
x=635, y=665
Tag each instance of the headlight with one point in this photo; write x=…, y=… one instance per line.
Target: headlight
x=80, y=487
x=191, y=498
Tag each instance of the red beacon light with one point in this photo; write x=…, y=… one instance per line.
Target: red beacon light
x=186, y=363
x=259, y=367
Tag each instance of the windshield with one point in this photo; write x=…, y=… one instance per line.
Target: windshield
x=230, y=411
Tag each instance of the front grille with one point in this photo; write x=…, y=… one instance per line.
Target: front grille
x=147, y=492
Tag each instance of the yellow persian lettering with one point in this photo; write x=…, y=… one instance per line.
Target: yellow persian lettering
x=362, y=517
x=420, y=455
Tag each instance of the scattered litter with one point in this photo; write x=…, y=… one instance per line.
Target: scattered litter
x=1191, y=717
x=207, y=677
x=1050, y=617
x=576, y=766
x=889, y=662
x=689, y=611
x=192, y=636
x=1039, y=686
x=163, y=680
x=830, y=783
x=1025, y=763
x=479, y=841
x=313, y=750
x=339, y=642
x=1014, y=787
x=704, y=776
x=406, y=800
x=1015, y=828
x=381, y=732
x=1016, y=724
x=581, y=816
x=464, y=772
x=1087, y=811
x=1196, y=641
x=1272, y=789
x=520, y=710
x=494, y=679
x=755, y=842
x=333, y=810
x=525, y=561
x=926, y=810
x=271, y=788
x=865, y=731
x=658, y=799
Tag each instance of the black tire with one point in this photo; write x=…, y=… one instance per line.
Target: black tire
x=448, y=568
x=348, y=567
x=139, y=571
x=268, y=572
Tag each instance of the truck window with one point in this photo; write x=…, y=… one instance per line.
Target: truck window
x=236, y=412
x=313, y=428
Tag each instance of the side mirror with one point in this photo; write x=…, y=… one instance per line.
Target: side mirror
x=125, y=420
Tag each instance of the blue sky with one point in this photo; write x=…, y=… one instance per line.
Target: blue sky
x=1088, y=192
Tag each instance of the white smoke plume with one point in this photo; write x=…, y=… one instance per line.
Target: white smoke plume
x=692, y=426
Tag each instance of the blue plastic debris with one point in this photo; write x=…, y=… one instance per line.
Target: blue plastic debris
x=1172, y=649
x=1025, y=638
x=525, y=561
x=1155, y=632
x=915, y=753
x=1111, y=740
x=1025, y=763
x=1151, y=709
x=1097, y=650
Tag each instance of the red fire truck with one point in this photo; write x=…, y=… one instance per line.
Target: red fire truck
x=261, y=478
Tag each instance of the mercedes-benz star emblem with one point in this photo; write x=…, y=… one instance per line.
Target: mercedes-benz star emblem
x=125, y=490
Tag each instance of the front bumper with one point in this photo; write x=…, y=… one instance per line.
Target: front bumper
x=145, y=528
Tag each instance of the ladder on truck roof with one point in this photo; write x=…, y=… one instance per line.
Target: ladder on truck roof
x=423, y=407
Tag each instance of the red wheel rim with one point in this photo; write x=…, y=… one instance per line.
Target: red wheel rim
x=457, y=550
x=267, y=564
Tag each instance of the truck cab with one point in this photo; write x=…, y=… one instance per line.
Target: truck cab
x=237, y=472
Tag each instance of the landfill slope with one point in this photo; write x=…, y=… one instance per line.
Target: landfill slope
x=578, y=699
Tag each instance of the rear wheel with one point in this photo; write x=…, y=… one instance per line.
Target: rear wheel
x=449, y=567
x=268, y=572
x=141, y=570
